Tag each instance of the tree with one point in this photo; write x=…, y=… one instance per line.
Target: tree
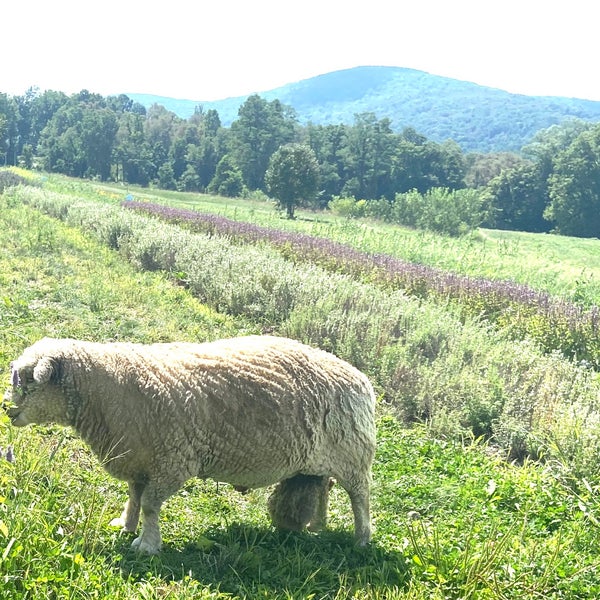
x=98, y=135
x=132, y=153
x=9, y=129
x=369, y=151
x=260, y=129
x=328, y=143
x=228, y=180
x=574, y=187
x=517, y=199
x=292, y=176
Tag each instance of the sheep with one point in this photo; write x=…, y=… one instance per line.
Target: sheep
x=250, y=411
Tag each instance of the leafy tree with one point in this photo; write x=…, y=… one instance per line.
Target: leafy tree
x=368, y=155
x=132, y=153
x=166, y=177
x=260, y=129
x=292, y=176
x=328, y=143
x=228, y=180
x=42, y=107
x=517, y=199
x=98, y=135
x=189, y=181
x=574, y=187
x=482, y=168
x=453, y=212
x=548, y=143
x=9, y=129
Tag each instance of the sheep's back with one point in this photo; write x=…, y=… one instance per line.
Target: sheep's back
x=250, y=410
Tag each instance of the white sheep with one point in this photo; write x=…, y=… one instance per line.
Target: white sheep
x=251, y=411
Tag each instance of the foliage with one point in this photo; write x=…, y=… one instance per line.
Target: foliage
x=87, y=135
x=559, y=188
x=451, y=212
x=574, y=187
x=261, y=128
x=9, y=178
x=228, y=179
x=440, y=209
x=518, y=199
x=553, y=323
x=292, y=177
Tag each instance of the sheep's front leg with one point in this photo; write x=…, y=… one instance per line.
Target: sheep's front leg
x=150, y=540
x=130, y=517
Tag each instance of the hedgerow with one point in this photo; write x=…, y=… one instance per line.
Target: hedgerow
x=427, y=362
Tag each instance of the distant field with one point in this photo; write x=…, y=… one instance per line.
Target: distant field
x=564, y=266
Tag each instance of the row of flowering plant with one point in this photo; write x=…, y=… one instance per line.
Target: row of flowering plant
x=555, y=323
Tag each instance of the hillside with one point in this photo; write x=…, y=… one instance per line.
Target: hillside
x=479, y=118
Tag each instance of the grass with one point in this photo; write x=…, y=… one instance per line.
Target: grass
x=453, y=517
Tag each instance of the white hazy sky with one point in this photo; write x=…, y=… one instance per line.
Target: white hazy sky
x=213, y=49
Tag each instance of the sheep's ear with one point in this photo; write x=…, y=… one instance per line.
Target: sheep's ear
x=44, y=370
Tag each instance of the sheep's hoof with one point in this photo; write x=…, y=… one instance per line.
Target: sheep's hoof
x=117, y=522
x=140, y=545
x=120, y=522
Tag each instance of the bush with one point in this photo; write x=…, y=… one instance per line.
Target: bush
x=453, y=212
x=9, y=179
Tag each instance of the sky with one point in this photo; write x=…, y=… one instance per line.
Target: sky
x=213, y=49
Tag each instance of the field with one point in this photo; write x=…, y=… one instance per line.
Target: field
x=486, y=483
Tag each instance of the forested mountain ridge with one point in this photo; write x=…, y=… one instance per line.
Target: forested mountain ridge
x=478, y=118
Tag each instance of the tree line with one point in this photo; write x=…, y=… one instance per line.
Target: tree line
x=552, y=185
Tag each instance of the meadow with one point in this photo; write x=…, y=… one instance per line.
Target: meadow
x=485, y=481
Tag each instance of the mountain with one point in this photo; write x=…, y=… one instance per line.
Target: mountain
x=478, y=118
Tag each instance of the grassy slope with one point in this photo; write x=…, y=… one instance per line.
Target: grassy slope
x=483, y=528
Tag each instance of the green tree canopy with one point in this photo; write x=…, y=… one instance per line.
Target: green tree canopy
x=228, y=179
x=259, y=130
x=517, y=199
x=574, y=187
x=292, y=176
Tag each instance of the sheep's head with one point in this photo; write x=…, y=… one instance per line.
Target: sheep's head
x=35, y=395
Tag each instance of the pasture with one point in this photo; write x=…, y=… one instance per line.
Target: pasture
x=485, y=483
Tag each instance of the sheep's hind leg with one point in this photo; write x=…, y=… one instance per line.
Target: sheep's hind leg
x=360, y=499
x=130, y=517
x=150, y=540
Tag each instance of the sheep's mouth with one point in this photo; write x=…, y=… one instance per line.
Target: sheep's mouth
x=15, y=418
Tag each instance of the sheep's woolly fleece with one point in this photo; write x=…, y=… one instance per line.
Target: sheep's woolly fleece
x=250, y=411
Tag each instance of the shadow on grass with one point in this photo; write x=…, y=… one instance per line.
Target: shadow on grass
x=252, y=561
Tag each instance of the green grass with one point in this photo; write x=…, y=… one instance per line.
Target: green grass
x=454, y=518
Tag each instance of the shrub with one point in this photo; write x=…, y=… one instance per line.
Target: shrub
x=453, y=212
x=9, y=178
